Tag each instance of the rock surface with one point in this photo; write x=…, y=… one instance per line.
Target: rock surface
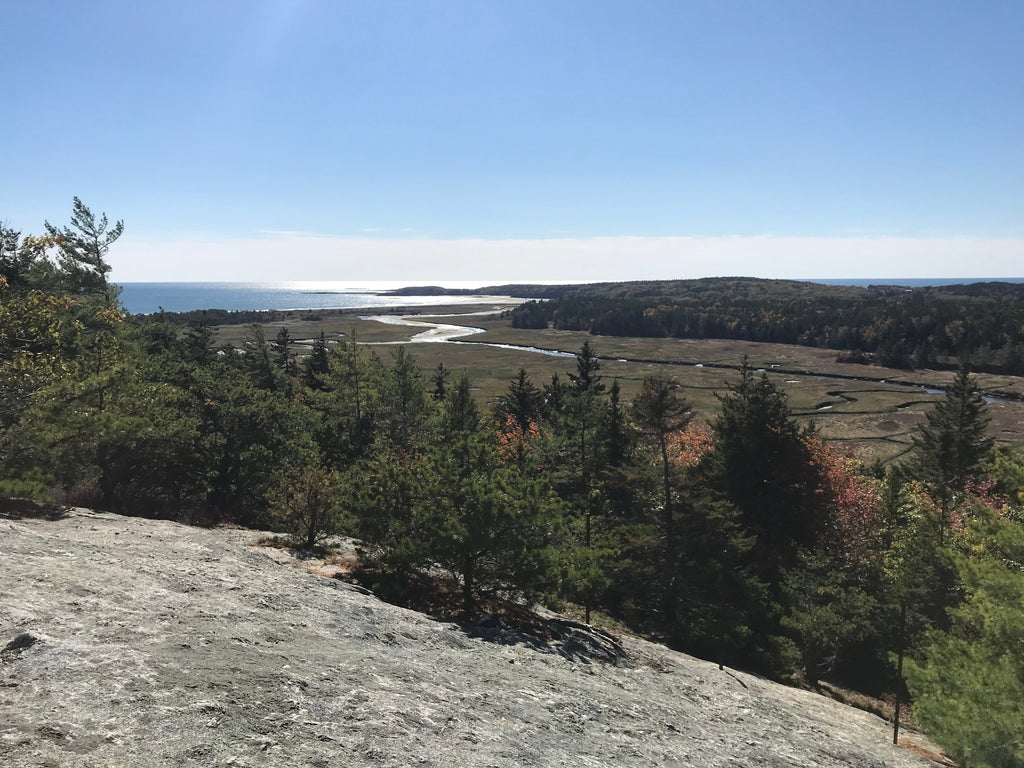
x=157, y=644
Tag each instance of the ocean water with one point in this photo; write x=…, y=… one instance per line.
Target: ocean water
x=918, y=282
x=146, y=298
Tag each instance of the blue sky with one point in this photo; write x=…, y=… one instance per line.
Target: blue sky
x=523, y=140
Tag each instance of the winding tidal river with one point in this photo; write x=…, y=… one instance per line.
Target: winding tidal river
x=446, y=332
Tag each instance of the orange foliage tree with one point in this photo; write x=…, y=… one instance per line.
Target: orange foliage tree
x=848, y=501
x=688, y=446
x=515, y=443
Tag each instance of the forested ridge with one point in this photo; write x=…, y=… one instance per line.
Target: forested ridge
x=938, y=326
x=750, y=541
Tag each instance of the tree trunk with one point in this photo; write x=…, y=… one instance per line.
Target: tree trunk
x=585, y=481
x=667, y=482
x=467, y=586
x=312, y=524
x=899, y=675
x=668, y=602
x=587, y=587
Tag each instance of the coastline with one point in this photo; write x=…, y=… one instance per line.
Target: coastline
x=152, y=299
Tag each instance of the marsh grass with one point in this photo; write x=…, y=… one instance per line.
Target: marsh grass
x=874, y=418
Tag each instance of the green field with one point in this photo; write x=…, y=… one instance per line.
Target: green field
x=875, y=417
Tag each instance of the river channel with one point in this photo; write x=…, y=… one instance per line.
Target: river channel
x=444, y=332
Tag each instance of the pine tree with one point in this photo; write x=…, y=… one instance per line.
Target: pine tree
x=284, y=358
x=916, y=580
x=316, y=364
x=951, y=447
x=587, y=378
x=489, y=525
x=258, y=359
x=454, y=505
x=553, y=399
x=83, y=247
x=349, y=411
x=308, y=503
x=522, y=401
x=15, y=260
x=405, y=400
x=197, y=343
x=659, y=411
x=614, y=433
x=440, y=380
x=461, y=413
x=762, y=465
x=582, y=415
x=968, y=684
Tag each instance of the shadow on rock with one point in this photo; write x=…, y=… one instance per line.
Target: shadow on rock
x=18, y=509
x=572, y=640
x=503, y=623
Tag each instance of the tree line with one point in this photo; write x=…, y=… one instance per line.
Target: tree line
x=928, y=327
x=742, y=537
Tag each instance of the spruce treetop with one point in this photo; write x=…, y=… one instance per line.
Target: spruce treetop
x=952, y=447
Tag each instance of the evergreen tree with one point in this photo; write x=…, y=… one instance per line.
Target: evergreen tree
x=308, y=504
x=827, y=610
x=83, y=247
x=916, y=583
x=15, y=261
x=113, y=440
x=197, y=343
x=951, y=448
x=579, y=424
x=316, y=364
x=461, y=414
x=614, y=433
x=405, y=401
x=348, y=407
x=718, y=610
x=517, y=416
x=968, y=684
x=587, y=379
x=521, y=401
x=258, y=358
x=554, y=399
x=393, y=514
x=761, y=464
x=659, y=411
x=250, y=437
x=440, y=380
x=453, y=505
x=620, y=484
x=284, y=358
x=489, y=525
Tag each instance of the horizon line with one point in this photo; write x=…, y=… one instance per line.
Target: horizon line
x=295, y=258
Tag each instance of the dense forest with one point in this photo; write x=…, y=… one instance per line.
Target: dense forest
x=941, y=326
x=751, y=542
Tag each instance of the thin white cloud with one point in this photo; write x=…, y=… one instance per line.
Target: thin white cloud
x=287, y=256
x=283, y=233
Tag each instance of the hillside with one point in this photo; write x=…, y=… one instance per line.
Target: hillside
x=152, y=643
x=924, y=327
